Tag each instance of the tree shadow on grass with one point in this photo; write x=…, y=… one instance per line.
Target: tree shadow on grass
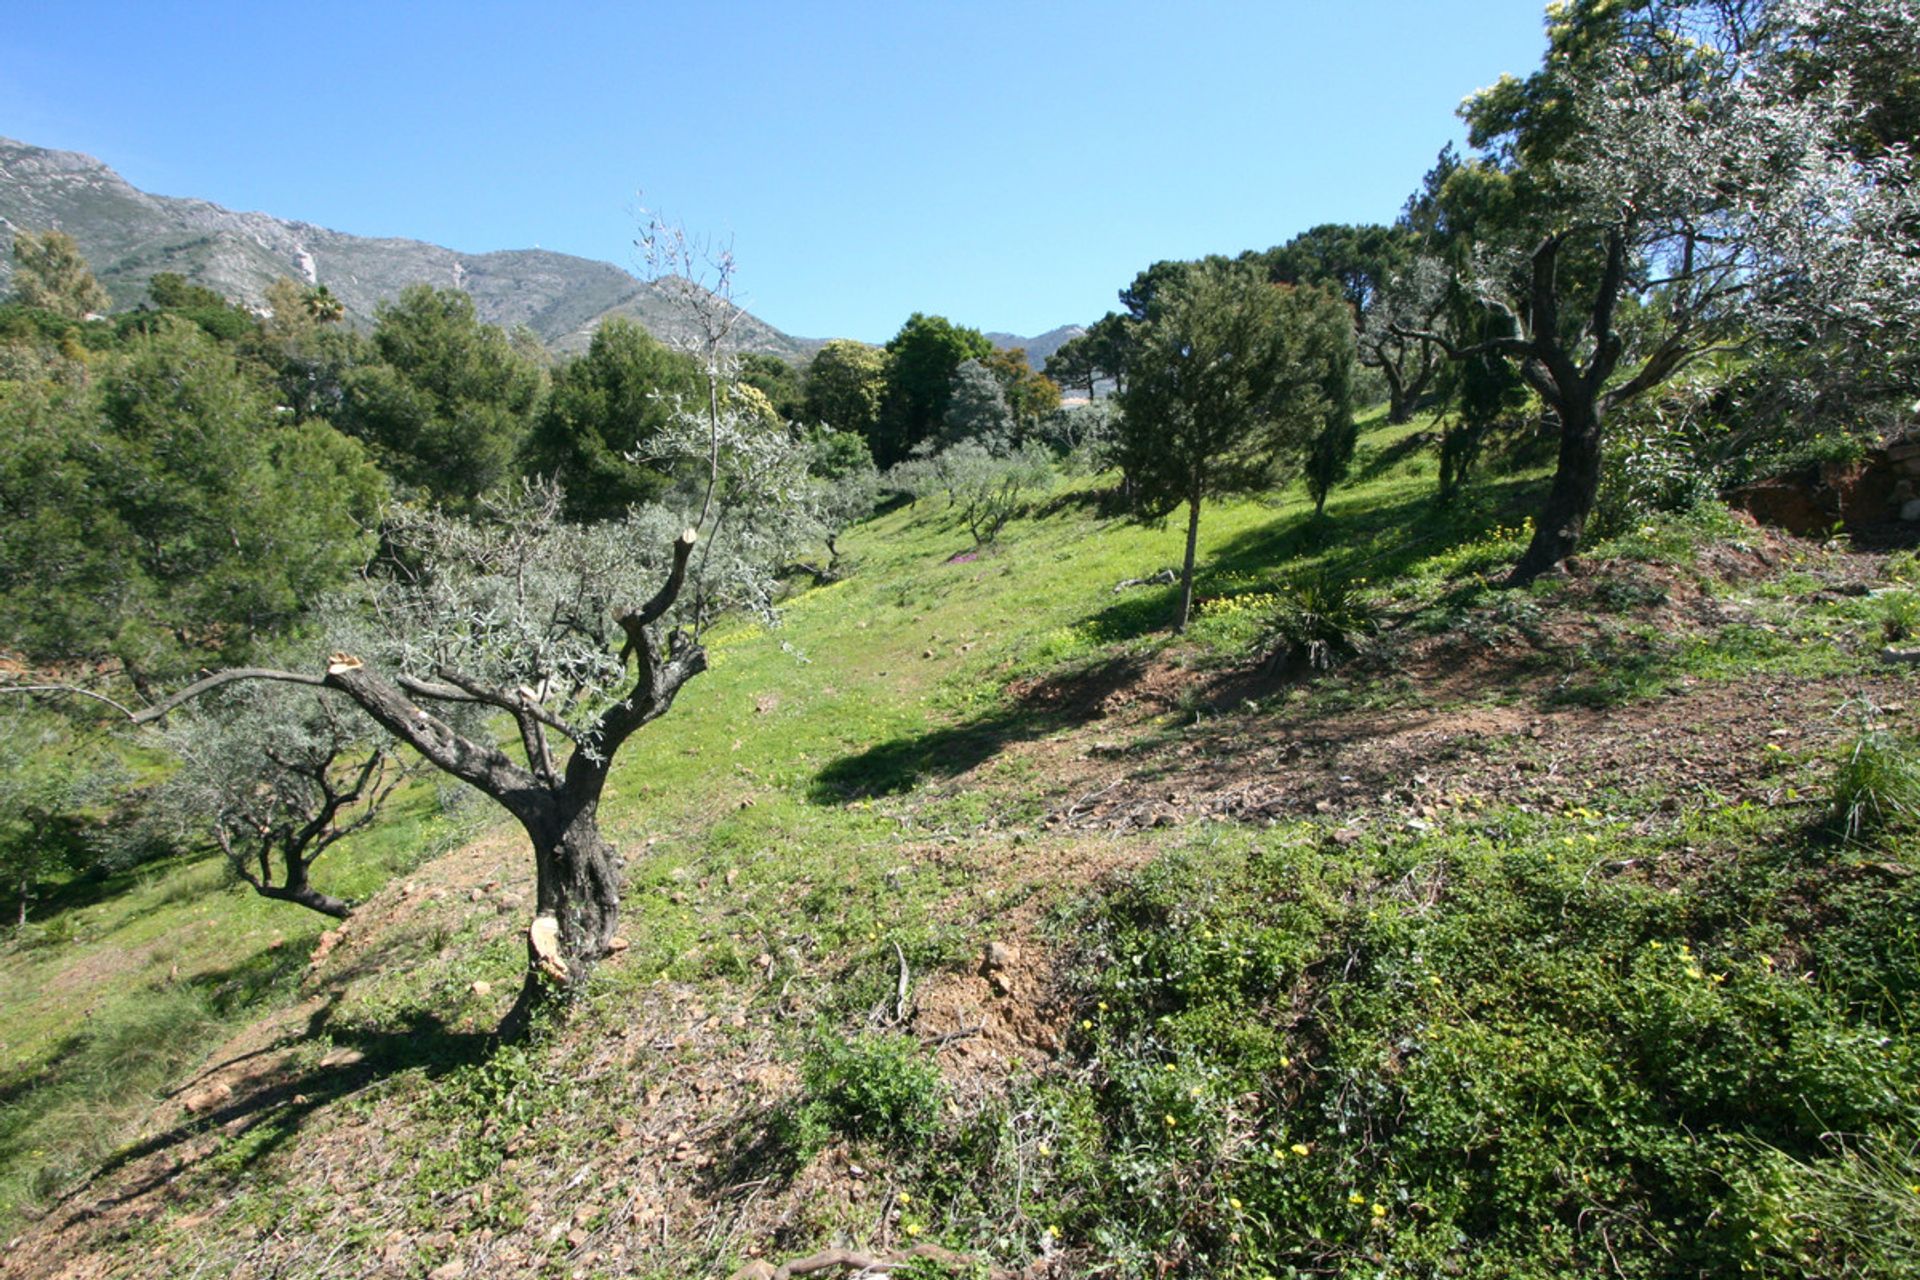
x=1039, y=707
x=264, y=1108
x=1379, y=542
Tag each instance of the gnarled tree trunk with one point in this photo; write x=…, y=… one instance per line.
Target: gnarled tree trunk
x=1576, y=487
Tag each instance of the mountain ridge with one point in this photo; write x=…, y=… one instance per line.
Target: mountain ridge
x=129, y=235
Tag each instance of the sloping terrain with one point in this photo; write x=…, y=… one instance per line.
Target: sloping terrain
x=968, y=907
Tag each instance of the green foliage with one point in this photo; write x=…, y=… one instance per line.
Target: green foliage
x=1030, y=396
x=775, y=379
x=922, y=358
x=1652, y=465
x=1876, y=788
x=873, y=1086
x=846, y=385
x=49, y=274
x=1328, y=347
x=604, y=411
x=1476, y=1053
x=448, y=403
x=162, y=511
x=1229, y=380
x=977, y=410
x=48, y=783
x=1322, y=619
x=1898, y=613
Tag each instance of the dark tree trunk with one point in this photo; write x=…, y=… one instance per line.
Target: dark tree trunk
x=1576, y=486
x=1186, y=569
x=577, y=883
x=1399, y=403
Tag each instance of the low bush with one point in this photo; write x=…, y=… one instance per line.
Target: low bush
x=1322, y=619
x=874, y=1086
x=1876, y=787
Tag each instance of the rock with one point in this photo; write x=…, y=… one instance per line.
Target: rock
x=998, y=955
x=616, y=945
x=755, y=1270
x=1904, y=657
x=1345, y=836
x=448, y=1271
x=482, y=988
x=207, y=1099
x=324, y=947
x=1910, y=509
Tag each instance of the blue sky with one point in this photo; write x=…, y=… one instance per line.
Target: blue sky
x=1010, y=166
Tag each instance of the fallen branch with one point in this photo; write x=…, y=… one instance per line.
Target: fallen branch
x=1164, y=578
x=861, y=1264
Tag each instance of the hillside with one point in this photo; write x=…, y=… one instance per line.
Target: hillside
x=969, y=907
x=1039, y=348
x=128, y=236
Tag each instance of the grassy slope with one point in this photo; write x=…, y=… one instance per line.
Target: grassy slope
x=1464, y=1021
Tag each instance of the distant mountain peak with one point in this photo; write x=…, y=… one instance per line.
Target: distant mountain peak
x=129, y=236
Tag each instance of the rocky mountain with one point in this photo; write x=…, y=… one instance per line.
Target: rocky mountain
x=1038, y=349
x=129, y=235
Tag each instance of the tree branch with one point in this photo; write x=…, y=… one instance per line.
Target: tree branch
x=633, y=621
x=159, y=709
x=485, y=767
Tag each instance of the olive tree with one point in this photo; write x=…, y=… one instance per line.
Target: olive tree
x=1681, y=193
x=275, y=777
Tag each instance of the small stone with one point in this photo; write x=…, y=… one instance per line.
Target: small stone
x=1905, y=657
x=1910, y=510
x=482, y=988
x=1344, y=836
x=998, y=955
x=448, y=1271
x=616, y=945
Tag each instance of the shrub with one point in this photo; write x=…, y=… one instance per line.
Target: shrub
x=1321, y=619
x=1652, y=467
x=880, y=1086
x=1899, y=615
x=1876, y=786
